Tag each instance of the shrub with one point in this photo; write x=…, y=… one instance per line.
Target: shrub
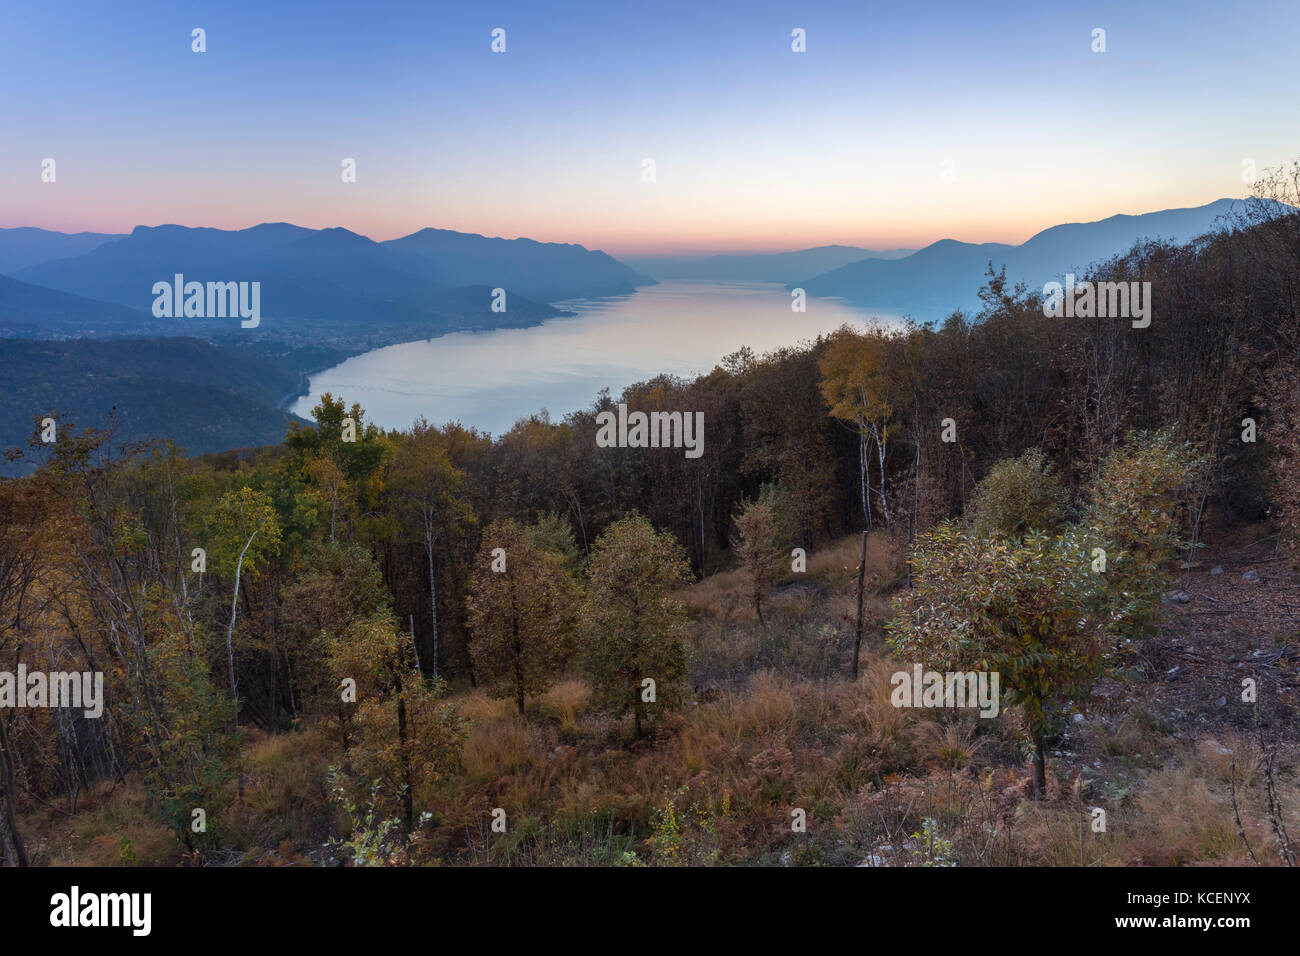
x=1020, y=495
x=1136, y=515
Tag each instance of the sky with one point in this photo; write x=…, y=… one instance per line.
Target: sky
x=901, y=124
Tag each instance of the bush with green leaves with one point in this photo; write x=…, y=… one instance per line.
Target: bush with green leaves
x=1137, y=516
x=1020, y=495
x=1018, y=607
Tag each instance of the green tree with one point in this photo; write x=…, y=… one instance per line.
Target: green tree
x=760, y=542
x=430, y=494
x=522, y=618
x=341, y=460
x=408, y=736
x=634, y=627
x=244, y=530
x=1137, y=512
x=553, y=532
x=1017, y=607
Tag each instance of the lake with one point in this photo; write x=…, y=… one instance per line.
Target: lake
x=489, y=380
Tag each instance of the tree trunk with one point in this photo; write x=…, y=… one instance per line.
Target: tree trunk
x=519, y=668
x=408, y=809
x=230, y=631
x=857, y=634
x=864, y=476
x=1040, y=766
x=884, y=501
x=433, y=590
x=7, y=808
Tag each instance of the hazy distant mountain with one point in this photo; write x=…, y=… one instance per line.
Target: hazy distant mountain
x=206, y=397
x=32, y=311
x=545, y=271
x=947, y=275
x=760, y=267
x=334, y=275
x=27, y=246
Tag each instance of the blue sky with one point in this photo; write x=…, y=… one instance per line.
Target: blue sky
x=755, y=147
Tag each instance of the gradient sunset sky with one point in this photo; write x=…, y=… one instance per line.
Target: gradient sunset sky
x=756, y=147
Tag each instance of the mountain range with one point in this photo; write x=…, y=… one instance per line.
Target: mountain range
x=947, y=275
x=68, y=301
x=336, y=274
x=761, y=267
x=27, y=246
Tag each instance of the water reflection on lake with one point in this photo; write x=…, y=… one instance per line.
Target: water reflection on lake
x=489, y=380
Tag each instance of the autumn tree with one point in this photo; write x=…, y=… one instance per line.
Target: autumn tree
x=336, y=583
x=429, y=490
x=522, y=612
x=1017, y=607
x=24, y=506
x=244, y=530
x=760, y=542
x=856, y=386
x=1284, y=396
x=408, y=736
x=787, y=436
x=633, y=624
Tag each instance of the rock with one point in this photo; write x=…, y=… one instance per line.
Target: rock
x=1217, y=569
x=1178, y=596
x=1078, y=718
x=1251, y=576
x=1221, y=703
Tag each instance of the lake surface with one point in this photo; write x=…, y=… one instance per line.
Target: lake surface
x=489, y=380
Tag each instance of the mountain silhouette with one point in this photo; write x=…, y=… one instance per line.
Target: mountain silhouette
x=27, y=246
x=760, y=267
x=336, y=274
x=947, y=275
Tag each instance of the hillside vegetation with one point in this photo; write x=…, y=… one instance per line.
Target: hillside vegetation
x=428, y=646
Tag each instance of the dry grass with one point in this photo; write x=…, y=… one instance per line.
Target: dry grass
x=498, y=746
x=477, y=707
x=566, y=702
x=286, y=800
x=770, y=722
x=836, y=565
x=113, y=828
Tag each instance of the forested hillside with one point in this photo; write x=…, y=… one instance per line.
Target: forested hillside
x=431, y=646
x=218, y=398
